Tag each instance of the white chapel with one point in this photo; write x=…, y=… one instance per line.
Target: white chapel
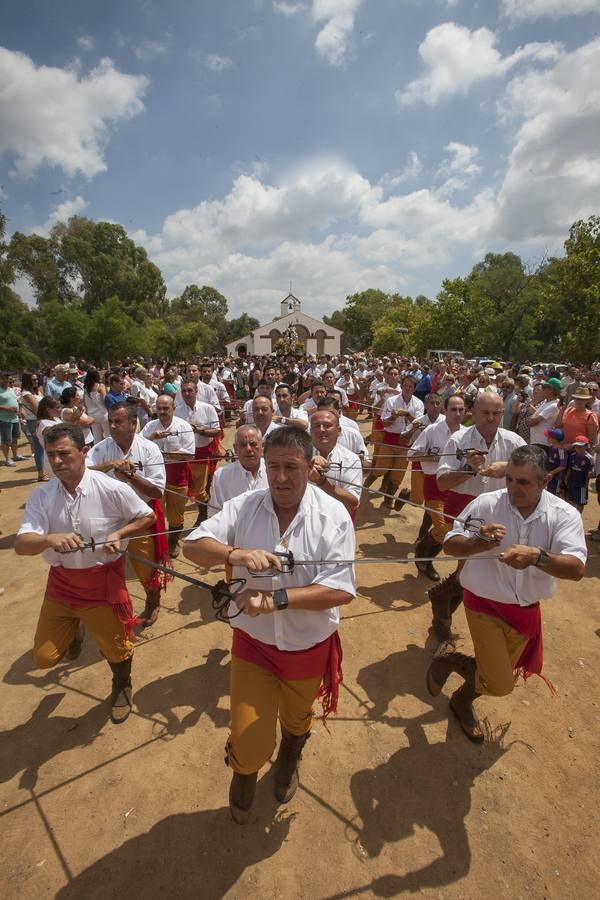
x=318, y=338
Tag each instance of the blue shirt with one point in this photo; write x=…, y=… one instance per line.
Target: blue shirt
x=112, y=398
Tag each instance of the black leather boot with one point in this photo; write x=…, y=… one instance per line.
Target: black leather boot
x=121, y=699
x=427, y=547
x=241, y=796
x=151, y=609
x=444, y=596
x=287, y=764
x=461, y=704
x=173, y=538
x=444, y=664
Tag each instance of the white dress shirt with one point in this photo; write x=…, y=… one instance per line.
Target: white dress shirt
x=352, y=439
x=401, y=424
x=433, y=436
x=205, y=392
x=554, y=526
x=548, y=409
x=179, y=440
x=231, y=480
x=351, y=470
x=201, y=414
x=321, y=529
x=499, y=451
x=141, y=451
x=100, y=506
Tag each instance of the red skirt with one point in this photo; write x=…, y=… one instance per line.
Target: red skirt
x=324, y=660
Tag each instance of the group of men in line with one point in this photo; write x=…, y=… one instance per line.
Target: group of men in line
x=294, y=487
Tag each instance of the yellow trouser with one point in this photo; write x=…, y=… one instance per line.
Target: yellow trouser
x=142, y=546
x=440, y=526
x=175, y=505
x=200, y=481
x=57, y=626
x=257, y=698
x=497, y=651
x=417, y=478
x=396, y=464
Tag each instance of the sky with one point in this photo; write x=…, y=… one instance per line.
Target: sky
x=338, y=145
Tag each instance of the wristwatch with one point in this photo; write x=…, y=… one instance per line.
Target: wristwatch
x=543, y=559
x=280, y=598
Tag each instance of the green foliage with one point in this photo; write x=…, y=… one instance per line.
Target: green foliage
x=61, y=331
x=112, y=332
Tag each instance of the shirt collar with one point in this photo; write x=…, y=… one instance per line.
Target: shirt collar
x=540, y=510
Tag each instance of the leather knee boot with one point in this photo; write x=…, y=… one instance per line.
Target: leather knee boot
x=121, y=699
x=427, y=547
x=173, y=538
x=442, y=597
x=151, y=609
x=287, y=764
x=241, y=796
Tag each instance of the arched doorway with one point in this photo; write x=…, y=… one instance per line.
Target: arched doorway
x=320, y=336
x=275, y=336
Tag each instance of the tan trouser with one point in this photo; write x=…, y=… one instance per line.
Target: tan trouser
x=416, y=485
x=200, y=481
x=376, y=466
x=257, y=698
x=175, y=505
x=396, y=463
x=440, y=526
x=57, y=626
x=142, y=546
x=497, y=651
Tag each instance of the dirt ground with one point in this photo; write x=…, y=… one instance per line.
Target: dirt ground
x=393, y=800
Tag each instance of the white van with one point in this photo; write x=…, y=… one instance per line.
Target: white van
x=440, y=354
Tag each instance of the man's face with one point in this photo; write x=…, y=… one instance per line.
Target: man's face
x=189, y=392
x=262, y=412
x=264, y=390
x=284, y=400
x=121, y=428
x=408, y=388
x=392, y=376
x=523, y=485
x=207, y=373
x=433, y=406
x=318, y=392
x=455, y=412
x=287, y=474
x=117, y=386
x=324, y=431
x=270, y=375
x=329, y=379
x=193, y=372
x=66, y=461
x=248, y=448
x=164, y=411
x=487, y=414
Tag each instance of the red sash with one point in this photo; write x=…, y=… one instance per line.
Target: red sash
x=324, y=660
x=431, y=490
x=159, y=580
x=527, y=620
x=455, y=503
x=178, y=474
x=95, y=586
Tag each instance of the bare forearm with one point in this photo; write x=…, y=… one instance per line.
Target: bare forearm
x=207, y=551
x=31, y=544
x=138, y=526
x=316, y=597
x=335, y=490
x=461, y=545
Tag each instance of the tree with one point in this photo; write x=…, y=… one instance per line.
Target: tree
x=61, y=331
x=237, y=328
x=112, y=333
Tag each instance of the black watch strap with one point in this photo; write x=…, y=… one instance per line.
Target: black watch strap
x=543, y=559
x=280, y=598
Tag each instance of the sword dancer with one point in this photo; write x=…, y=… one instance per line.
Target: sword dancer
x=85, y=584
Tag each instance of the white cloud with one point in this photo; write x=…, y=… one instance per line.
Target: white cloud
x=455, y=58
x=288, y=9
x=147, y=50
x=217, y=63
x=56, y=117
x=553, y=175
x=333, y=40
x=85, y=42
x=459, y=168
x=409, y=172
x=61, y=213
x=555, y=9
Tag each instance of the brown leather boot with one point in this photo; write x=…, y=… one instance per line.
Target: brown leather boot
x=387, y=488
x=202, y=514
x=121, y=700
x=151, y=609
x=427, y=547
x=241, y=796
x=444, y=664
x=425, y=526
x=370, y=479
x=403, y=496
x=442, y=596
x=461, y=704
x=287, y=764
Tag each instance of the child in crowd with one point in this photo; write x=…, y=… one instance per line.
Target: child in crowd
x=557, y=460
x=580, y=467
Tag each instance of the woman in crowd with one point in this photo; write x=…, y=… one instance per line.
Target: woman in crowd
x=94, y=393
x=31, y=394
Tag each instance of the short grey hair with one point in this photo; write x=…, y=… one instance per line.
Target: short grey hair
x=533, y=456
x=290, y=439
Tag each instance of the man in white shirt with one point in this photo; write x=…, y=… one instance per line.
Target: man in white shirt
x=132, y=459
x=329, y=380
x=432, y=415
x=287, y=415
x=263, y=389
x=428, y=444
x=144, y=395
x=473, y=463
x=204, y=422
x=247, y=473
x=86, y=582
x=540, y=538
x=350, y=436
x=317, y=392
x=397, y=415
x=175, y=439
x=544, y=415
x=336, y=470
x=206, y=392
x=286, y=649
x=262, y=415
